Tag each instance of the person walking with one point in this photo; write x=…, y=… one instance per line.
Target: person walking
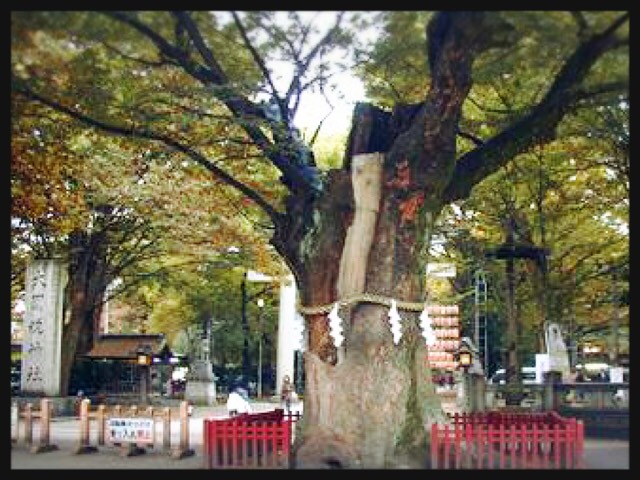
x=238, y=402
x=286, y=393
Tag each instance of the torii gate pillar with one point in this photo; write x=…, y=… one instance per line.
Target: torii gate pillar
x=290, y=327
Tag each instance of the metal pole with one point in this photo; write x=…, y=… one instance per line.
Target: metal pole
x=476, y=332
x=260, y=367
x=617, y=304
x=260, y=306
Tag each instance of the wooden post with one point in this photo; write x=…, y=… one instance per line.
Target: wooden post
x=166, y=430
x=15, y=422
x=150, y=412
x=477, y=393
x=85, y=444
x=183, y=450
x=131, y=449
x=102, y=424
x=28, y=424
x=45, y=426
x=206, y=449
x=549, y=397
x=117, y=412
x=580, y=444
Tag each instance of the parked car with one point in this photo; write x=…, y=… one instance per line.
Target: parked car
x=528, y=375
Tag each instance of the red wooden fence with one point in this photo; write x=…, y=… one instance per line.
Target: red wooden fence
x=260, y=440
x=508, y=440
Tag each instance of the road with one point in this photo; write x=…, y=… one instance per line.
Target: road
x=600, y=454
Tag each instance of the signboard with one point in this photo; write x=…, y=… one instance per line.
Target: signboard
x=132, y=429
x=441, y=269
x=253, y=276
x=616, y=375
x=542, y=366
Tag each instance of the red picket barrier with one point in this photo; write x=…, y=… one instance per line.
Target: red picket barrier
x=259, y=440
x=508, y=440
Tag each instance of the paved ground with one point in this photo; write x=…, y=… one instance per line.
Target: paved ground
x=65, y=433
x=599, y=453
x=606, y=454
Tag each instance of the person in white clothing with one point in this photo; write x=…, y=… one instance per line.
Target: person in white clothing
x=237, y=403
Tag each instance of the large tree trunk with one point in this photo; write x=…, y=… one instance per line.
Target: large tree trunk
x=369, y=403
x=87, y=285
x=372, y=406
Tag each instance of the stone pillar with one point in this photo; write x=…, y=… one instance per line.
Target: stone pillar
x=478, y=392
x=45, y=281
x=290, y=327
x=15, y=422
x=463, y=400
x=201, y=385
x=550, y=399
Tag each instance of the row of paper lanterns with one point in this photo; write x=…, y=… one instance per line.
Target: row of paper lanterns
x=439, y=356
x=444, y=321
x=441, y=345
x=451, y=364
x=442, y=309
x=446, y=332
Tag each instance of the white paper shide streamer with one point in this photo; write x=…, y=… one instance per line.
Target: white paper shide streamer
x=335, y=329
x=394, y=321
x=427, y=329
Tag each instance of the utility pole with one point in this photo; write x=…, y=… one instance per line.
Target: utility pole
x=512, y=369
x=246, y=361
x=509, y=251
x=260, y=307
x=480, y=331
x=613, y=357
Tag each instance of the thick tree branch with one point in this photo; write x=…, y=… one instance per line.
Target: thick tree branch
x=240, y=106
x=154, y=136
x=429, y=144
x=539, y=125
x=476, y=140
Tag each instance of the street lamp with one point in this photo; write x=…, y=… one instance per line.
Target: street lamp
x=260, y=306
x=464, y=358
x=144, y=360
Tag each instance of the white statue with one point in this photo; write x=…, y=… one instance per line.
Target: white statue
x=556, y=349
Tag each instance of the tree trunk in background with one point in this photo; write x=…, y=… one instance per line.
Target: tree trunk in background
x=512, y=370
x=87, y=285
